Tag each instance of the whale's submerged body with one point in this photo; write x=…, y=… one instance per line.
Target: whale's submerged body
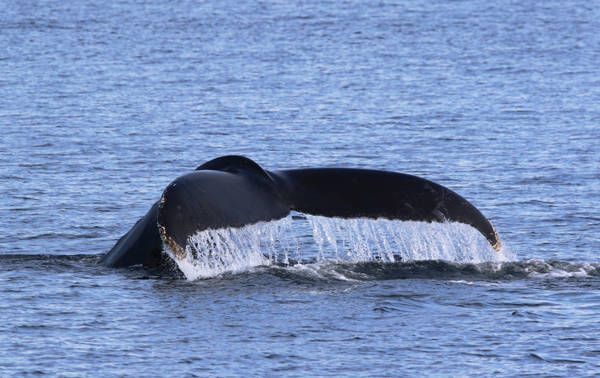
x=234, y=191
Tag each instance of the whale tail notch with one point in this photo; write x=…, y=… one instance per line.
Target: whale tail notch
x=231, y=191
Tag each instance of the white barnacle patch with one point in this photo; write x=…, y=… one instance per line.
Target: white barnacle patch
x=173, y=247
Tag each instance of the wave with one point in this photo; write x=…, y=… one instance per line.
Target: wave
x=326, y=270
x=441, y=270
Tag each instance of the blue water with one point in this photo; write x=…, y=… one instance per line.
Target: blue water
x=102, y=104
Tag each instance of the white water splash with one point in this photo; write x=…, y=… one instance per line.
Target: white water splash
x=387, y=240
x=303, y=237
x=212, y=252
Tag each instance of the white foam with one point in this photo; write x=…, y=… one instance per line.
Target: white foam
x=548, y=271
x=212, y=252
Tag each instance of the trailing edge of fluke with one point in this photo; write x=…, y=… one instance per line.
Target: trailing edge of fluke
x=233, y=191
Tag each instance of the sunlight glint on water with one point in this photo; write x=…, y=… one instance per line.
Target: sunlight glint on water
x=308, y=239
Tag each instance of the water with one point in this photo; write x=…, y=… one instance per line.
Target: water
x=103, y=104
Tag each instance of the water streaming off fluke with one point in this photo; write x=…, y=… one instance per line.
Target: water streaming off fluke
x=316, y=239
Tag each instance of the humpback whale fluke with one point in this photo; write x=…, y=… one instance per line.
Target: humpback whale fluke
x=234, y=191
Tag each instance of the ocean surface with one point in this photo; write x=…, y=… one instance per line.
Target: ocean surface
x=102, y=104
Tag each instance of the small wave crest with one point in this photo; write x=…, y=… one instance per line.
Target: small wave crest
x=445, y=270
x=302, y=238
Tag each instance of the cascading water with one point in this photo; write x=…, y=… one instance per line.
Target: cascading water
x=359, y=240
x=306, y=238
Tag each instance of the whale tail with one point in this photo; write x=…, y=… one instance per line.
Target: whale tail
x=233, y=191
